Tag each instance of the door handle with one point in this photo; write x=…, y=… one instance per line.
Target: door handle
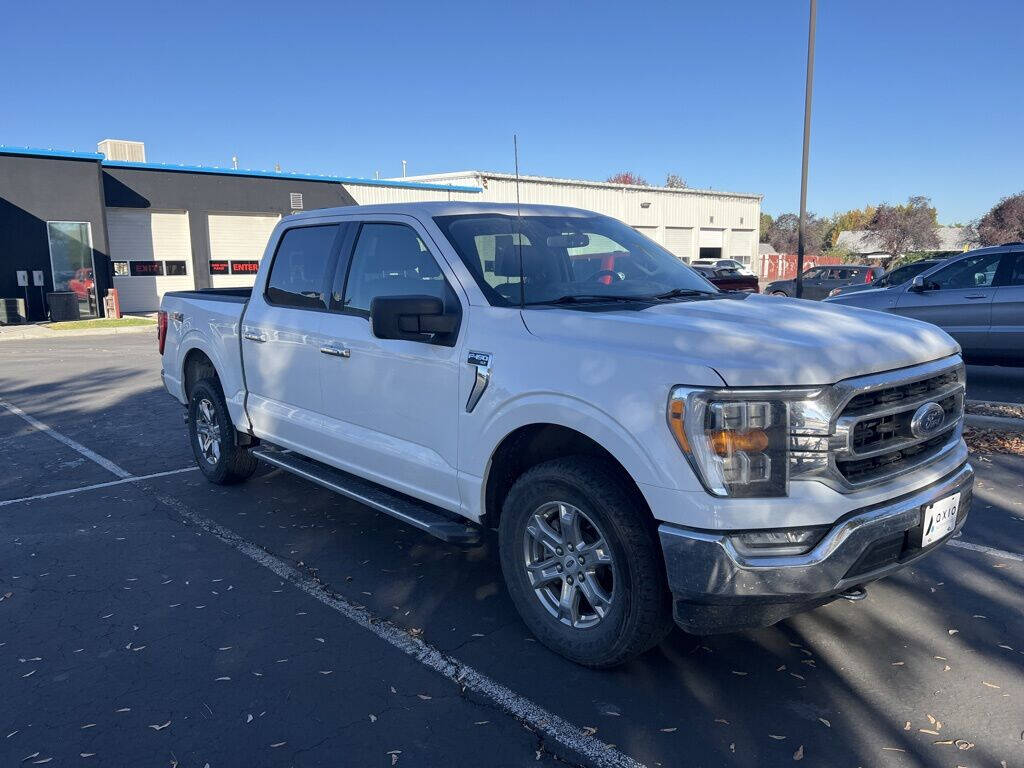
x=336, y=351
x=253, y=336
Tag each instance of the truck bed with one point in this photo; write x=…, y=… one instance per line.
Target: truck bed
x=234, y=295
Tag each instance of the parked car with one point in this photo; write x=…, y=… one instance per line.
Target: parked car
x=739, y=266
x=890, y=279
x=978, y=298
x=729, y=279
x=647, y=448
x=819, y=281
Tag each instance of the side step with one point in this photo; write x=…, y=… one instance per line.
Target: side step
x=415, y=513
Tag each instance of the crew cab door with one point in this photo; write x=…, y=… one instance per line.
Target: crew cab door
x=958, y=299
x=1006, y=338
x=390, y=405
x=281, y=340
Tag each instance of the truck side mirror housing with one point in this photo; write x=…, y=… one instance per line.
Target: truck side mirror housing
x=413, y=318
x=917, y=284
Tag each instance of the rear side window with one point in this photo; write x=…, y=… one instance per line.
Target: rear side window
x=300, y=265
x=1014, y=268
x=969, y=272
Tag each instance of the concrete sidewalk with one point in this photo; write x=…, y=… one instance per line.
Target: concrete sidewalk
x=40, y=331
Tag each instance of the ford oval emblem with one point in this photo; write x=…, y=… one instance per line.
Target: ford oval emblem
x=927, y=420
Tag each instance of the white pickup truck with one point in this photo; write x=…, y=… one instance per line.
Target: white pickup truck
x=646, y=446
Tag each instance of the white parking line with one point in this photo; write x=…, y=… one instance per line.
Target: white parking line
x=134, y=479
x=107, y=464
x=521, y=708
x=987, y=550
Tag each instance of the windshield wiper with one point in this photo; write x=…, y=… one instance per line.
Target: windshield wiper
x=676, y=293
x=574, y=298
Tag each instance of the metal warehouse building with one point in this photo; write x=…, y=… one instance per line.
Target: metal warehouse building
x=81, y=223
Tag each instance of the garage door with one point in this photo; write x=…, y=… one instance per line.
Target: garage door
x=741, y=245
x=651, y=232
x=237, y=242
x=679, y=240
x=151, y=253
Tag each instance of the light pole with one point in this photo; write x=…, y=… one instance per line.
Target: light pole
x=807, y=142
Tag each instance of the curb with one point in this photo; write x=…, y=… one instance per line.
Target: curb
x=994, y=422
x=45, y=333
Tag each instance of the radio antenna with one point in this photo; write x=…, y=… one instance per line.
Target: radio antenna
x=519, y=225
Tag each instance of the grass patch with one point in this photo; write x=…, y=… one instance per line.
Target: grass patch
x=102, y=322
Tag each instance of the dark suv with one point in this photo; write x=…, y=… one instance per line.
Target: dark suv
x=890, y=279
x=819, y=281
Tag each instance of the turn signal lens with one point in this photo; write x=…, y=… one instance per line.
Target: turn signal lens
x=727, y=443
x=676, y=411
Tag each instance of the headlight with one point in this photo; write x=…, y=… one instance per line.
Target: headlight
x=736, y=442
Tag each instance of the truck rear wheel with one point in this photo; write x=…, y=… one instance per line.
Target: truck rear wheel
x=212, y=435
x=582, y=563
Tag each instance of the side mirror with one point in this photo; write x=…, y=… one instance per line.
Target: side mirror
x=413, y=318
x=917, y=284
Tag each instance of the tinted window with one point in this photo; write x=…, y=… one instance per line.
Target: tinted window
x=297, y=275
x=813, y=273
x=907, y=271
x=970, y=272
x=1014, y=264
x=390, y=260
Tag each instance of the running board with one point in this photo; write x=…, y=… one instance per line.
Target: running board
x=409, y=511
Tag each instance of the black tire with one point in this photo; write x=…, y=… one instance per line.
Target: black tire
x=229, y=463
x=640, y=614
x=780, y=293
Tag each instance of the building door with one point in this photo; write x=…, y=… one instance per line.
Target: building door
x=237, y=242
x=151, y=253
x=72, y=263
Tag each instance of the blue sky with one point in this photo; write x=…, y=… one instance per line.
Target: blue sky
x=910, y=97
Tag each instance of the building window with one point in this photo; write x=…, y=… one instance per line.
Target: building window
x=145, y=268
x=296, y=201
x=121, y=268
x=218, y=267
x=245, y=267
x=175, y=268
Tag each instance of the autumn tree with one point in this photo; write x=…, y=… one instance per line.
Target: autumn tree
x=851, y=221
x=628, y=178
x=897, y=229
x=783, y=233
x=1004, y=223
x=675, y=181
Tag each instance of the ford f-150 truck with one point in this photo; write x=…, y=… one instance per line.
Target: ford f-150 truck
x=646, y=446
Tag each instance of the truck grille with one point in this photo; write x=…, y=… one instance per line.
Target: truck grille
x=878, y=422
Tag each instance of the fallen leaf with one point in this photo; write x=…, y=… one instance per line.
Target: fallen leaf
x=964, y=744
x=669, y=730
x=893, y=749
x=221, y=678
x=930, y=719
x=278, y=744
x=720, y=720
x=990, y=685
x=160, y=727
x=423, y=696
x=799, y=754
x=777, y=738
x=738, y=673
x=929, y=732
x=907, y=726
x=481, y=722
x=953, y=631
x=826, y=722
x=248, y=718
x=897, y=663
x=589, y=730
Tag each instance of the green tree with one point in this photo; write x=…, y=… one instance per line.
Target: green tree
x=675, y=181
x=901, y=228
x=783, y=233
x=766, y=224
x=849, y=221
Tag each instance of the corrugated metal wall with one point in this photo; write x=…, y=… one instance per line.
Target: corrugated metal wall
x=661, y=213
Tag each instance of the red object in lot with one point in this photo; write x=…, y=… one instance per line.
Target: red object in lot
x=82, y=283
x=161, y=329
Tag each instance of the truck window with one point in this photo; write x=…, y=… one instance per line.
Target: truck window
x=300, y=266
x=390, y=260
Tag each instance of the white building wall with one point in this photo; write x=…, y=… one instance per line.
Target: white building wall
x=663, y=214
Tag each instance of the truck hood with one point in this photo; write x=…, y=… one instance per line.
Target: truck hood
x=755, y=340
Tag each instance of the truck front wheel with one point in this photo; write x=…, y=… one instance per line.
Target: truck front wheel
x=582, y=562
x=212, y=435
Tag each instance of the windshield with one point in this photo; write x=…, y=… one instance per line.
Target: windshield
x=566, y=259
x=900, y=275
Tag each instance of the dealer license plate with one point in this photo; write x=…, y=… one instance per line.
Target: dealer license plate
x=939, y=519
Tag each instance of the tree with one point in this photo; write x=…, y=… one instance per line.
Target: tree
x=850, y=221
x=783, y=233
x=629, y=178
x=766, y=225
x=897, y=229
x=1004, y=223
x=675, y=181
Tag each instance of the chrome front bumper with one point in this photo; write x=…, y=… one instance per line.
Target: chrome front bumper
x=717, y=589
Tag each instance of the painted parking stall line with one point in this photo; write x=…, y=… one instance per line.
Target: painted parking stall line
x=96, y=486
x=107, y=464
x=986, y=550
x=570, y=736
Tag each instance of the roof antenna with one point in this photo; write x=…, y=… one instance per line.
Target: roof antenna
x=519, y=226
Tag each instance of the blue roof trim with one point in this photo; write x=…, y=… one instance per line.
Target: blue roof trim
x=287, y=175
x=36, y=152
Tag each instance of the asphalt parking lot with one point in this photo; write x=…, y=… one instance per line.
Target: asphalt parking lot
x=150, y=618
